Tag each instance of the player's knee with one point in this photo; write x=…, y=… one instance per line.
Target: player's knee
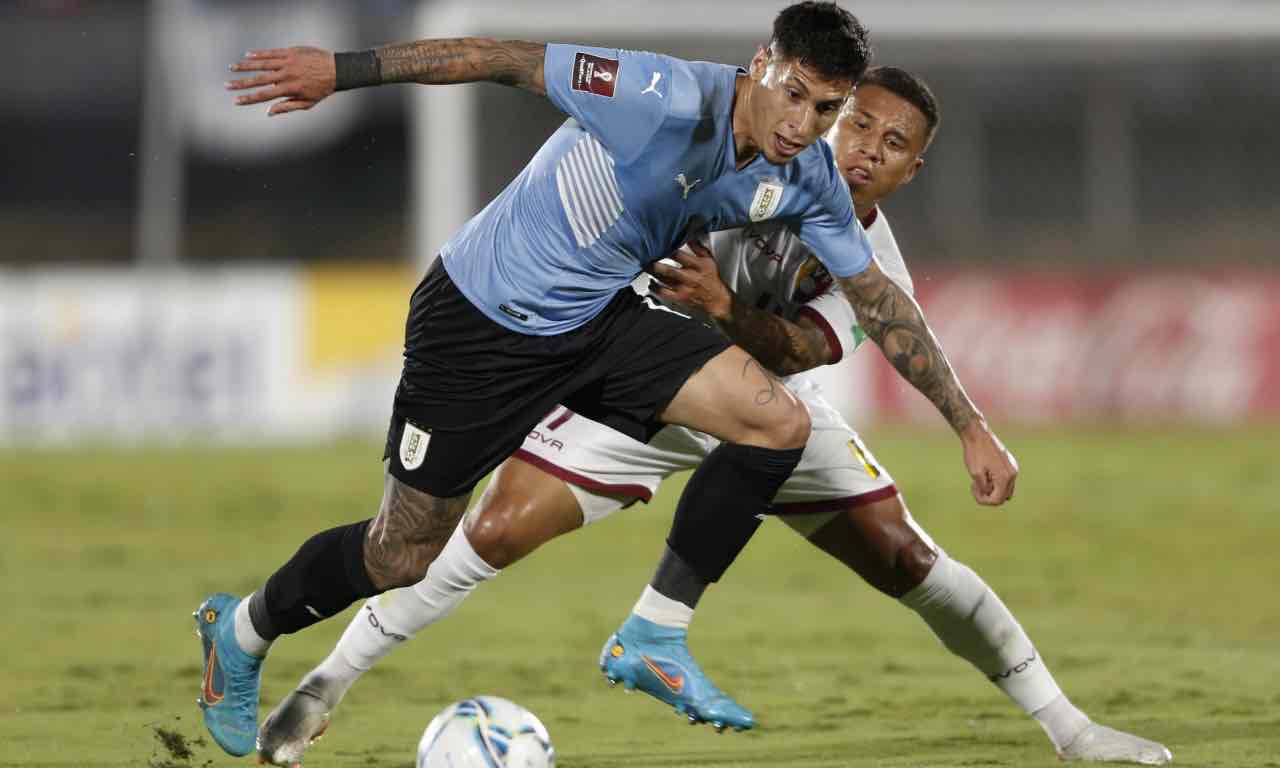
x=900, y=559
x=489, y=531
x=915, y=558
x=496, y=529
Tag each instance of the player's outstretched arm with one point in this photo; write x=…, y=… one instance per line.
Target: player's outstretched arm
x=894, y=321
x=779, y=345
x=300, y=77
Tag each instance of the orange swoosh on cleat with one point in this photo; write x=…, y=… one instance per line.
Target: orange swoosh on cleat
x=211, y=697
x=675, y=684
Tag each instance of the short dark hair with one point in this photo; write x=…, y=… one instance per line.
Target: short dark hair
x=910, y=87
x=823, y=36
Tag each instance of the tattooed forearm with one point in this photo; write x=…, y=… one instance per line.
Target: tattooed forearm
x=410, y=530
x=464, y=60
x=894, y=321
x=781, y=346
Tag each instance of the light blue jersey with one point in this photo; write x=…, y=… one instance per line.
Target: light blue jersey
x=646, y=157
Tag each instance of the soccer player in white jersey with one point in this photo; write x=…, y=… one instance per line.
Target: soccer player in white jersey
x=771, y=295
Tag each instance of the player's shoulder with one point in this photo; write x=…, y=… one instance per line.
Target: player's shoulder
x=648, y=81
x=880, y=233
x=700, y=89
x=888, y=254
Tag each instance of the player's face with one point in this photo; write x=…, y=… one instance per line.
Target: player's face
x=791, y=105
x=878, y=143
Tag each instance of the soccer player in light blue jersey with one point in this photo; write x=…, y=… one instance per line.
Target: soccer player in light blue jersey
x=525, y=308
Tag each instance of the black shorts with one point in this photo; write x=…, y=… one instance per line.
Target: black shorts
x=472, y=390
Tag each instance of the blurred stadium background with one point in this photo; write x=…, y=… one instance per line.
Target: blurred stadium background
x=201, y=313
x=1095, y=232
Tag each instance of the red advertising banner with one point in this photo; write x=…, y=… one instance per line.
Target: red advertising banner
x=1131, y=346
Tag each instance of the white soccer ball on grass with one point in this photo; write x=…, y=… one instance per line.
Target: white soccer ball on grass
x=486, y=732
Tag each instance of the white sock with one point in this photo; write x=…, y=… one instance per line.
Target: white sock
x=246, y=636
x=662, y=610
x=386, y=621
x=1062, y=721
x=972, y=623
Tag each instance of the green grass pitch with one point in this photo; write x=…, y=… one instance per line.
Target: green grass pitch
x=1145, y=566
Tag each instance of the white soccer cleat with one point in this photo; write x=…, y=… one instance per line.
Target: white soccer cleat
x=1100, y=744
x=293, y=726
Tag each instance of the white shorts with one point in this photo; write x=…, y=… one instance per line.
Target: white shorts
x=607, y=470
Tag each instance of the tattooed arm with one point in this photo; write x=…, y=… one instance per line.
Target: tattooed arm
x=464, y=60
x=781, y=346
x=300, y=77
x=894, y=321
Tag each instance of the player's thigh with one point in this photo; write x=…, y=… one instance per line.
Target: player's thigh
x=735, y=399
x=603, y=468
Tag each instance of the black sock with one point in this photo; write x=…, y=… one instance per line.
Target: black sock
x=676, y=580
x=324, y=576
x=718, y=511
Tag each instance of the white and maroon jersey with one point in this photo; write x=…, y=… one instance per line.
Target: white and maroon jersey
x=766, y=265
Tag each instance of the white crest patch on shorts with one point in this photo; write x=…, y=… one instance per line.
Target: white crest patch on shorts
x=413, y=446
x=767, y=199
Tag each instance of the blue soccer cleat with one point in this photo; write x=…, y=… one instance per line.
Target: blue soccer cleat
x=229, y=690
x=656, y=660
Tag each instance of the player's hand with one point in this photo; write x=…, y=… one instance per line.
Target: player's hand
x=992, y=467
x=298, y=77
x=695, y=283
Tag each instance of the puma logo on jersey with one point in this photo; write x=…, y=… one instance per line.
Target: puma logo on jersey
x=653, y=86
x=685, y=185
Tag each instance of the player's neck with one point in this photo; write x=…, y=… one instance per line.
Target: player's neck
x=745, y=148
x=866, y=213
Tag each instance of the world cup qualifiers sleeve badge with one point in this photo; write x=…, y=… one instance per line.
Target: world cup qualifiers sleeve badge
x=595, y=74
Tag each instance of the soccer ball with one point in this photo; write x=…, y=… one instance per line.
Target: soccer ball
x=485, y=732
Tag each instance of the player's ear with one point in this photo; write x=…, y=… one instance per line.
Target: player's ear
x=915, y=168
x=759, y=62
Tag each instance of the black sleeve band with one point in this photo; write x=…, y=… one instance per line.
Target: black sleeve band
x=356, y=70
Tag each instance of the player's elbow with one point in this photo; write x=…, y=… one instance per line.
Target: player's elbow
x=789, y=366
x=809, y=354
